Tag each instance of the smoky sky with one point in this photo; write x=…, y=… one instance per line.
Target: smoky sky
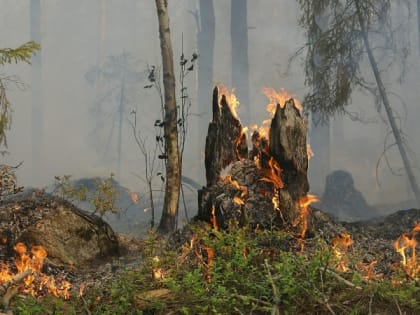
x=78, y=35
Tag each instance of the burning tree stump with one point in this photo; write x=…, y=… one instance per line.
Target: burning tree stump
x=261, y=187
x=287, y=144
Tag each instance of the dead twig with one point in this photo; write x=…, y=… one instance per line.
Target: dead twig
x=345, y=281
x=398, y=307
x=275, y=309
x=245, y=297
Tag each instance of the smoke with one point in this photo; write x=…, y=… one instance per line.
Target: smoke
x=77, y=35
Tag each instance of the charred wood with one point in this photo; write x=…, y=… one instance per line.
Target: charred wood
x=225, y=142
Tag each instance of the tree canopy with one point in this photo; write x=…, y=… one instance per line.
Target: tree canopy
x=336, y=49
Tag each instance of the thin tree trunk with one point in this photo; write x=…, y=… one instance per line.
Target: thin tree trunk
x=36, y=88
x=152, y=203
x=388, y=108
x=418, y=23
x=120, y=124
x=173, y=178
x=240, y=66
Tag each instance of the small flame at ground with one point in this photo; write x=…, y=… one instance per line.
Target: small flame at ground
x=304, y=211
x=407, y=241
x=340, y=245
x=36, y=283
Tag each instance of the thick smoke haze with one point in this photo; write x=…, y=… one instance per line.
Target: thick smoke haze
x=80, y=35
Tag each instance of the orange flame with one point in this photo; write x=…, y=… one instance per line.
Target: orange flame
x=272, y=174
x=280, y=97
x=340, y=245
x=238, y=200
x=304, y=211
x=36, y=282
x=230, y=98
x=233, y=182
x=408, y=241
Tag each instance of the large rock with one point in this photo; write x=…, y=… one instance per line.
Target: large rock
x=70, y=236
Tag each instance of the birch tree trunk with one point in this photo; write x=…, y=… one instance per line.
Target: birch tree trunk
x=173, y=167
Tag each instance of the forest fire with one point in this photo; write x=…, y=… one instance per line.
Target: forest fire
x=407, y=241
x=34, y=282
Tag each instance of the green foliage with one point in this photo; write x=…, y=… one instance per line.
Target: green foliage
x=9, y=55
x=21, y=54
x=66, y=190
x=335, y=48
x=103, y=198
x=8, y=182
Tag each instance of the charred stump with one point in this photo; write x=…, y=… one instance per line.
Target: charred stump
x=287, y=144
x=261, y=187
x=225, y=142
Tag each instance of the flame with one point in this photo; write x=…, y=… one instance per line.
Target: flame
x=309, y=151
x=82, y=289
x=213, y=219
x=230, y=98
x=233, y=182
x=405, y=242
x=340, y=245
x=238, y=200
x=281, y=98
x=275, y=201
x=36, y=282
x=272, y=174
x=134, y=198
x=304, y=211
x=367, y=270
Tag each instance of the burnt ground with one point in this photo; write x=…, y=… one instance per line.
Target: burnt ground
x=373, y=240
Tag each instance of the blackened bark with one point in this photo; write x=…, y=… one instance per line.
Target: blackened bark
x=288, y=146
x=225, y=142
